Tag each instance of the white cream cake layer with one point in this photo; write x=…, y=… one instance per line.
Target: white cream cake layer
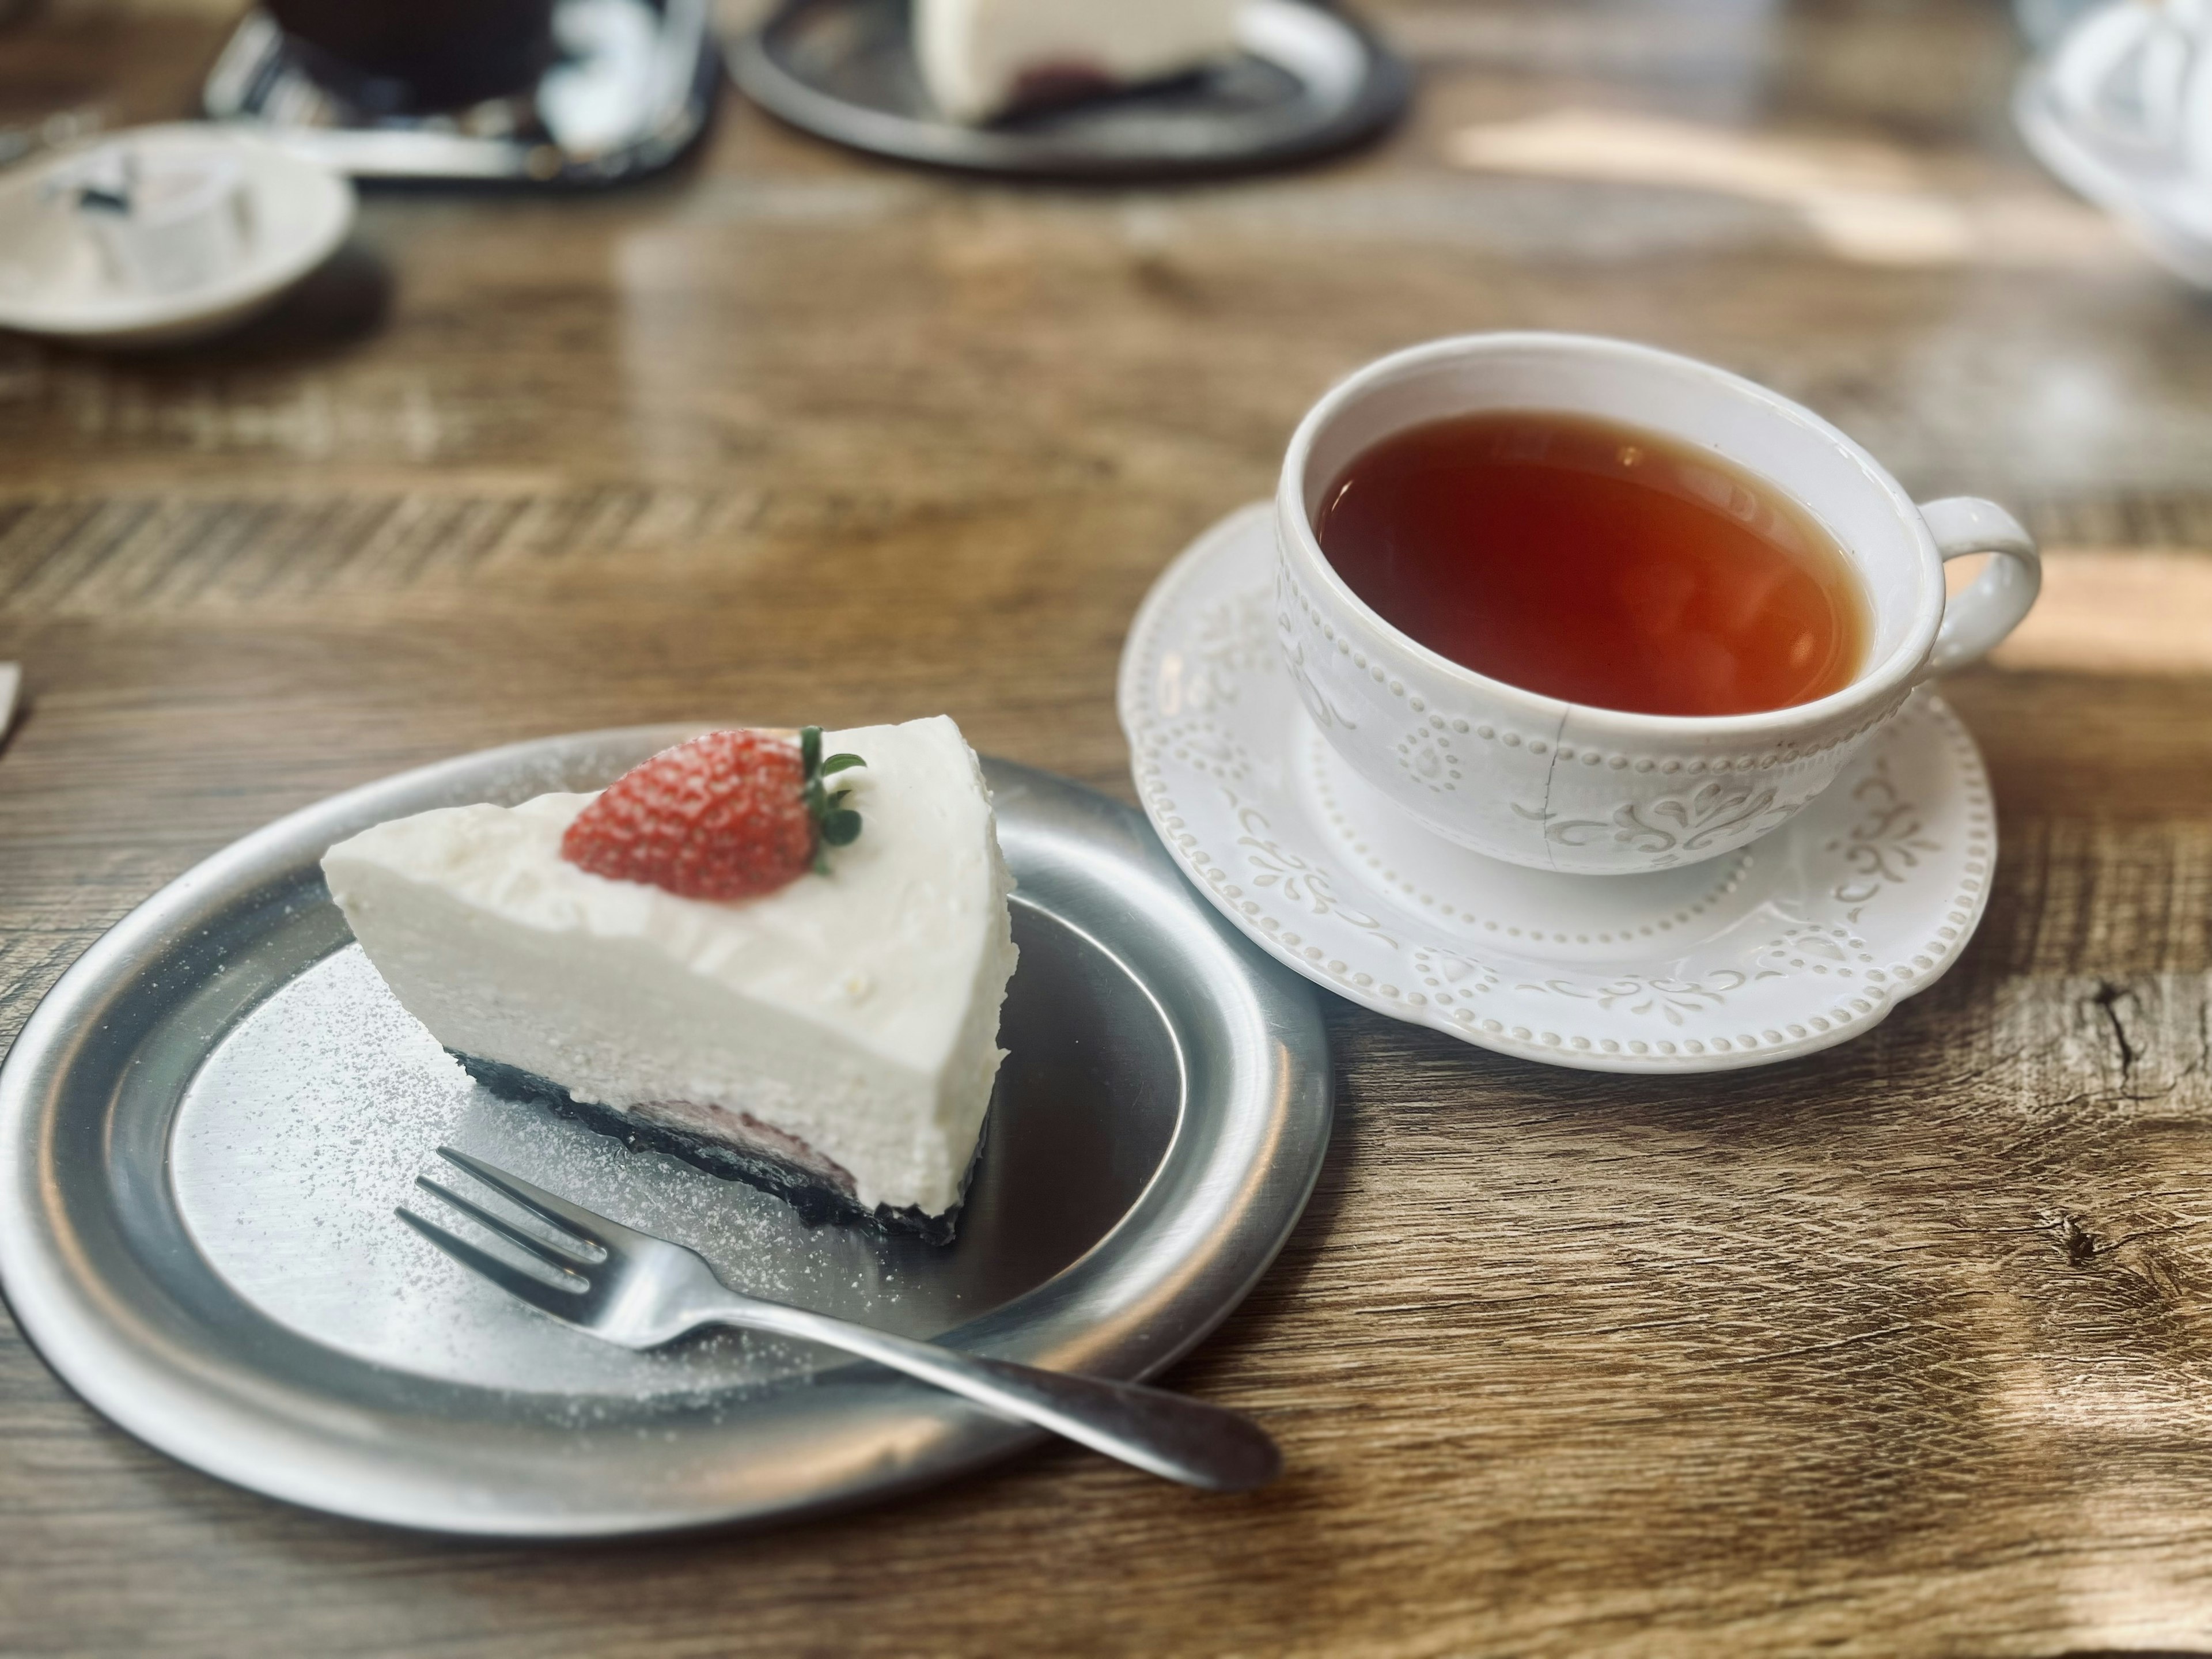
x=975, y=54
x=856, y=1011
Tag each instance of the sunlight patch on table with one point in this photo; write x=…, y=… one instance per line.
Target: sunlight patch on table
x=2115, y=611
x=1867, y=202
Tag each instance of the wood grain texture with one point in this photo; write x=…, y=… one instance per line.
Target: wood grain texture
x=1904, y=1350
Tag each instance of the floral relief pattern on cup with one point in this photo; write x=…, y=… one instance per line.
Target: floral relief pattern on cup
x=1428, y=755
x=1326, y=714
x=1714, y=814
x=1800, y=753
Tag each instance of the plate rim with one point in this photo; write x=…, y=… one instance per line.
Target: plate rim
x=61, y=1303
x=1381, y=99
x=1221, y=540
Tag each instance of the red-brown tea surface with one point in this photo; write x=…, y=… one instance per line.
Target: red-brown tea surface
x=1597, y=563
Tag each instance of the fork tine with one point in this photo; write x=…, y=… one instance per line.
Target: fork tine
x=586, y=1223
x=552, y=1254
x=556, y=1299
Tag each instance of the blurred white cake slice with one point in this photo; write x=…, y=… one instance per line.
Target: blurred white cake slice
x=981, y=58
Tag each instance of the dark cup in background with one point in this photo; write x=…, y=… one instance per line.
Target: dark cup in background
x=412, y=57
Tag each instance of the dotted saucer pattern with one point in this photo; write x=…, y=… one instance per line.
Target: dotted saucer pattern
x=1724, y=874
x=1799, y=943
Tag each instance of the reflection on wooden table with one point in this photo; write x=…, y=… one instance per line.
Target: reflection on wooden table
x=1904, y=1349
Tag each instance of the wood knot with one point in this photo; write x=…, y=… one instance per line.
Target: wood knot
x=2065, y=1227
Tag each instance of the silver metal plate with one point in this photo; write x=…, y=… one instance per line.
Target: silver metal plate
x=205, y=1127
x=1309, y=81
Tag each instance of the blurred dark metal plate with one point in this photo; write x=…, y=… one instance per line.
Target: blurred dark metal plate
x=204, y=1127
x=1310, y=81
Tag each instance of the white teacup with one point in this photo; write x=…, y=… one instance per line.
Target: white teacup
x=1561, y=786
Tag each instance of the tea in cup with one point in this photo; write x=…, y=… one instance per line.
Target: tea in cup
x=1591, y=607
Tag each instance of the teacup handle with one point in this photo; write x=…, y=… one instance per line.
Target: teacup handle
x=1976, y=621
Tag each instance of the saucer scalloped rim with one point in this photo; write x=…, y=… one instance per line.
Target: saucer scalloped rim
x=1805, y=939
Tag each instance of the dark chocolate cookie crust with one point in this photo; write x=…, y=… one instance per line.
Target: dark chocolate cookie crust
x=815, y=1202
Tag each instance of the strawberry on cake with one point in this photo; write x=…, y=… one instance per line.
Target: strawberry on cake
x=711, y=958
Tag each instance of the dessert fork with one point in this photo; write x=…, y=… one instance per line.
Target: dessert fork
x=638, y=1291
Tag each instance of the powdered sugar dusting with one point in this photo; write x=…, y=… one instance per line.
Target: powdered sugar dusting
x=308, y=1124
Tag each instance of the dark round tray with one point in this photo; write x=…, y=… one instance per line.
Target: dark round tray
x=1311, y=82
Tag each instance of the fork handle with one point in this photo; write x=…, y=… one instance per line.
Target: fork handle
x=1170, y=1434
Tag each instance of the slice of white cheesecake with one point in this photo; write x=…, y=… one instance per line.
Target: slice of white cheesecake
x=982, y=58
x=835, y=1040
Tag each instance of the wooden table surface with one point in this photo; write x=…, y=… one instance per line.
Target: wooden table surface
x=1904, y=1350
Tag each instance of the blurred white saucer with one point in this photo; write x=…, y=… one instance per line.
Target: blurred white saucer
x=55, y=281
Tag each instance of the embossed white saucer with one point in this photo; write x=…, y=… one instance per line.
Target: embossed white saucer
x=1803, y=939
